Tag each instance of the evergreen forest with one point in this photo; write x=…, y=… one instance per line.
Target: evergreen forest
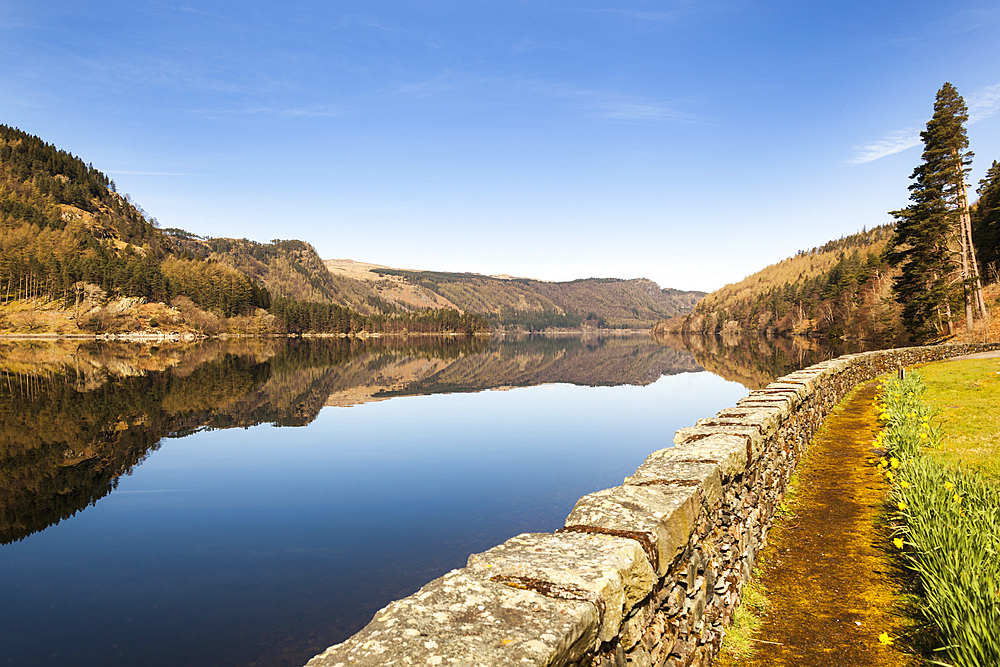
x=71, y=243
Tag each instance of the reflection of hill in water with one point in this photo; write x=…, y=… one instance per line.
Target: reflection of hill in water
x=591, y=362
x=756, y=361
x=75, y=416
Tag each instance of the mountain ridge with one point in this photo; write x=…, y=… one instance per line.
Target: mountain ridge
x=77, y=256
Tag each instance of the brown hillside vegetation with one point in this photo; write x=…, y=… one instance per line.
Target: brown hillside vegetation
x=534, y=304
x=288, y=269
x=392, y=288
x=840, y=289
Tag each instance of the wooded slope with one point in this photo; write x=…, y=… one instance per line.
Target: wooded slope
x=842, y=288
x=536, y=304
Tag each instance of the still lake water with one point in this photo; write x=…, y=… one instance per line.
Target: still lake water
x=253, y=502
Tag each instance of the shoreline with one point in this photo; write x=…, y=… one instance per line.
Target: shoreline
x=190, y=337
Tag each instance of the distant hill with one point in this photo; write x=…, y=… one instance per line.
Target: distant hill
x=840, y=289
x=78, y=256
x=523, y=302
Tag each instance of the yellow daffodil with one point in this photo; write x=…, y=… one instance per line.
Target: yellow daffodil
x=923, y=436
x=894, y=461
x=884, y=639
x=902, y=505
x=948, y=486
x=904, y=484
x=889, y=475
x=958, y=498
x=898, y=542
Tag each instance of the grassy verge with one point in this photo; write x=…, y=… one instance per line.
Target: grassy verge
x=947, y=525
x=738, y=643
x=965, y=396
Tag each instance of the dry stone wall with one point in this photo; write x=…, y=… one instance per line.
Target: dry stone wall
x=647, y=573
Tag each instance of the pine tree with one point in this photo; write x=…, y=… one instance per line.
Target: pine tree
x=987, y=225
x=932, y=244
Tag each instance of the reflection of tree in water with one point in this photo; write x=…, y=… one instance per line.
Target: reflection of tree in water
x=755, y=361
x=75, y=416
x=62, y=449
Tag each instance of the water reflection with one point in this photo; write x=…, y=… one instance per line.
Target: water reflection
x=237, y=544
x=75, y=416
x=754, y=361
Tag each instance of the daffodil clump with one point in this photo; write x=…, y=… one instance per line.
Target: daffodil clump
x=947, y=527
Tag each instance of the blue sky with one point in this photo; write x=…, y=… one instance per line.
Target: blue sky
x=690, y=142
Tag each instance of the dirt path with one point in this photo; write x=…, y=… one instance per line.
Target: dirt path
x=826, y=570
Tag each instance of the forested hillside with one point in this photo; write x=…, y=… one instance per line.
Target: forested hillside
x=289, y=269
x=842, y=288
x=77, y=256
x=66, y=234
x=535, y=304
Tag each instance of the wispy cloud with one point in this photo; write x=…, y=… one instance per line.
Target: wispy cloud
x=984, y=103
x=896, y=142
x=436, y=85
x=650, y=112
x=657, y=17
x=192, y=10
x=981, y=104
x=326, y=110
x=616, y=106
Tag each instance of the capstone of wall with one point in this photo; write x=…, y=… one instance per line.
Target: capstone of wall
x=647, y=573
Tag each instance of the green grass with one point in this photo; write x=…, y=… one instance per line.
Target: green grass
x=965, y=395
x=738, y=644
x=947, y=520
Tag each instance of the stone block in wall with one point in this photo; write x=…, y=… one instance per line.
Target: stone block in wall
x=660, y=518
x=726, y=450
x=475, y=620
x=779, y=387
x=782, y=399
x=766, y=420
x=640, y=657
x=810, y=380
x=675, y=467
x=819, y=373
x=753, y=441
x=769, y=417
x=612, y=572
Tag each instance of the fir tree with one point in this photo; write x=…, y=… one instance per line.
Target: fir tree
x=987, y=225
x=933, y=269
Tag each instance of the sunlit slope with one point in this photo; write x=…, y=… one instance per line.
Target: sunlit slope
x=523, y=302
x=842, y=288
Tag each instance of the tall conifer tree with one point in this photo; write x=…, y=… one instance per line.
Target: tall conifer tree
x=988, y=222
x=932, y=244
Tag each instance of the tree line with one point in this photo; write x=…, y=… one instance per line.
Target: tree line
x=299, y=317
